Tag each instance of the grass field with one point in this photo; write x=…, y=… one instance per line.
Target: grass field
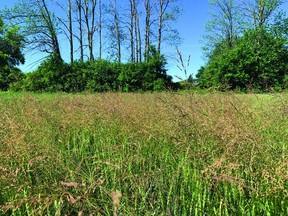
x=143, y=154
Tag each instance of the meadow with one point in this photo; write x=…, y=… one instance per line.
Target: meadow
x=143, y=154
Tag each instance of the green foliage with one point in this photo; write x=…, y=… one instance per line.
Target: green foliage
x=10, y=55
x=49, y=77
x=100, y=76
x=257, y=61
x=280, y=25
x=9, y=77
x=38, y=24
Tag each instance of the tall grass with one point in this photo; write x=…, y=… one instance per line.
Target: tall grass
x=143, y=154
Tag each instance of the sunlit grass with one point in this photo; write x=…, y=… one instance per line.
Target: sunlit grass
x=143, y=154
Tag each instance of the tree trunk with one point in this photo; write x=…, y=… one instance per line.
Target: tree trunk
x=70, y=31
x=89, y=17
x=100, y=29
x=147, y=26
x=116, y=27
x=79, y=8
x=47, y=19
x=162, y=7
x=139, y=40
x=131, y=30
x=136, y=36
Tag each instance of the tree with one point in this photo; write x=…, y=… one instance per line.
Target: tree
x=48, y=77
x=260, y=11
x=115, y=31
x=137, y=30
x=131, y=30
x=257, y=61
x=89, y=11
x=70, y=31
x=163, y=5
x=134, y=32
x=67, y=27
x=279, y=26
x=150, y=75
x=80, y=28
x=100, y=28
x=38, y=25
x=166, y=14
x=224, y=27
x=11, y=44
x=148, y=9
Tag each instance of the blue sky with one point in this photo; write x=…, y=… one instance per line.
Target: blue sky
x=191, y=26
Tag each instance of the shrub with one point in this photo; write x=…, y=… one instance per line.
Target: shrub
x=99, y=76
x=257, y=61
x=49, y=77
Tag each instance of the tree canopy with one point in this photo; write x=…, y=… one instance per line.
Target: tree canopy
x=257, y=61
x=258, y=56
x=11, y=55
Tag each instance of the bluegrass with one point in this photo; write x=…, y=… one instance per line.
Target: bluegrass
x=143, y=154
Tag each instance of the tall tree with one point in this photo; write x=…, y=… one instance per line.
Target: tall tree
x=114, y=30
x=257, y=61
x=163, y=5
x=226, y=20
x=139, y=39
x=117, y=31
x=11, y=45
x=260, y=11
x=148, y=14
x=80, y=28
x=131, y=30
x=168, y=11
x=279, y=25
x=70, y=31
x=100, y=28
x=39, y=25
x=225, y=25
x=137, y=33
x=89, y=11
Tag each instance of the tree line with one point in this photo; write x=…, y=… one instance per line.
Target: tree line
x=131, y=33
x=116, y=46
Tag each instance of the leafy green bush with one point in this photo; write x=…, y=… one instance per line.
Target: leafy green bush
x=11, y=43
x=49, y=77
x=257, y=61
x=100, y=76
x=9, y=76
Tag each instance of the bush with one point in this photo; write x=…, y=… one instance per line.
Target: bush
x=49, y=77
x=257, y=61
x=102, y=76
x=9, y=76
x=99, y=76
